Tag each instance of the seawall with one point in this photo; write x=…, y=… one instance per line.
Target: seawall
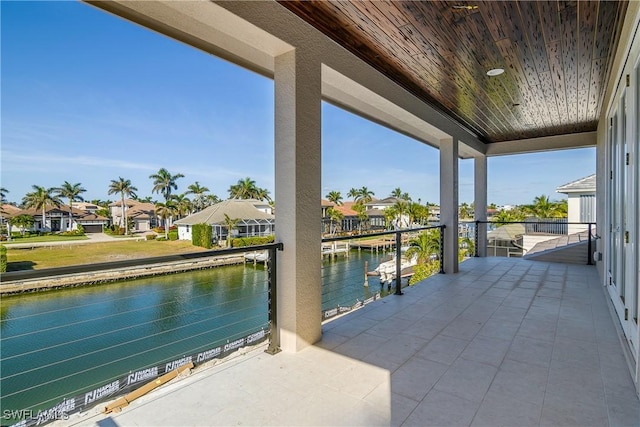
x=125, y=271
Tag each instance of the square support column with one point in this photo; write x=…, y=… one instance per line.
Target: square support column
x=298, y=194
x=449, y=202
x=480, y=200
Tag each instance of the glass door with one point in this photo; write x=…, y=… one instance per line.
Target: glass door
x=622, y=213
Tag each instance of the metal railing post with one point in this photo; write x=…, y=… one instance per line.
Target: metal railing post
x=589, y=250
x=476, y=240
x=442, y=227
x=398, y=263
x=274, y=333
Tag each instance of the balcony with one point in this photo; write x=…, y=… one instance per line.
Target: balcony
x=503, y=342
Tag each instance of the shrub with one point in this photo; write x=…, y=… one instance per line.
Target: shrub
x=173, y=235
x=422, y=271
x=240, y=242
x=151, y=237
x=161, y=239
x=3, y=259
x=202, y=235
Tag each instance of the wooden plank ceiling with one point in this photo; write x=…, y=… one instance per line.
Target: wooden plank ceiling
x=557, y=57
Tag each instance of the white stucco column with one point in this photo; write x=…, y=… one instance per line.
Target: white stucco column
x=449, y=202
x=298, y=196
x=480, y=200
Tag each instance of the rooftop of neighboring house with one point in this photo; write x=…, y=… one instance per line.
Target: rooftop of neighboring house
x=85, y=206
x=582, y=185
x=62, y=210
x=9, y=211
x=136, y=209
x=388, y=201
x=346, y=209
x=134, y=204
x=506, y=232
x=234, y=208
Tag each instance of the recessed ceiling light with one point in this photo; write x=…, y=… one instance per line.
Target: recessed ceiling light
x=495, y=72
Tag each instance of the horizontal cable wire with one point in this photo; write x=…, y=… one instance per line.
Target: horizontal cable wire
x=127, y=312
x=113, y=361
x=115, y=377
x=142, y=293
x=131, y=341
x=130, y=327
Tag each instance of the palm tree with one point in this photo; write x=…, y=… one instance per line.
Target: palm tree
x=164, y=182
x=389, y=216
x=467, y=247
x=424, y=246
x=3, y=199
x=542, y=208
x=198, y=195
x=124, y=187
x=417, y=213
x=362, y=216
x=465, y=211
x=165, y=211
x=401, y=207
x=336, y=218
x=365, y=195
x=210, y=199
x=40, y=198
x=231, y=224
x=398, y=194
x=23, y=221
x=71, y=192
x=262, y=194
x=182, y=203
x=361, y=195
x=335, y=197
x=243, y=189
x=507, y=216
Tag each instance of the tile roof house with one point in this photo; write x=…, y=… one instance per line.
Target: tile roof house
x=142, y=214
x=255, y=219
x=57, y=219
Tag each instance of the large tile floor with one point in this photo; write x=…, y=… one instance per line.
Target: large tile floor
x=506, y=342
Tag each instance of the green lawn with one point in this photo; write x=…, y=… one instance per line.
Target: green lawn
x=37, y=239
x=61, y=256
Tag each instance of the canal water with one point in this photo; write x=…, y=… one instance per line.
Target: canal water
x=62, y=343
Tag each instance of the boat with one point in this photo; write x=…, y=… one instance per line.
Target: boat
x=387, y=269
x=257, y=256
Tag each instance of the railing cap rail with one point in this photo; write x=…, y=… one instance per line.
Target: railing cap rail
x=381, y=233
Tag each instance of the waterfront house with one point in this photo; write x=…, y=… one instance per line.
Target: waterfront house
x=57, y=219
x=254, y=219
x=141, y=214
x=474, y=81
x=7, y=212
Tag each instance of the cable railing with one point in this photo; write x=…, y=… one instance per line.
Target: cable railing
x=534, y=236
x=348, y=284
x=66, y=351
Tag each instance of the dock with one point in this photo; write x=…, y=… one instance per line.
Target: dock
x=333, y=249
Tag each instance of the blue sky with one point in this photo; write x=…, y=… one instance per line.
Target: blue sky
x=88, y=97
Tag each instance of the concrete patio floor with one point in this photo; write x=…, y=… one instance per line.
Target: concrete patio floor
x=506, y=342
